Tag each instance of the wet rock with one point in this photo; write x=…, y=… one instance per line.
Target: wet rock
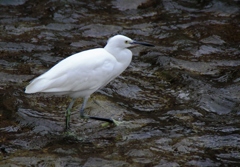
x=42, y=160
x=100, y=30
x=213, y=40
x=228, y=157
x=128, y=91
x=14, y=47
x=134, y=124
x=186, y=115
x=98, y=162
x=64, y=152
x=12, y=78
x=186, y=146
x=140, y=153
x=143, y=161
x=47, y=35
x=128, y=5
x=217, y=101
x=206, y=68
x=14, y=2
x=61, y=16
x=17, y=30
x=48, y=58
x=216, y=142
x=142, y=135
x=216, y=104
x=60, y=27
x=163, y=145
x=205, y=50
x=39, y=121
x=223, y=9
x=204, y=163
x=183, y=95
x=175, y=7
x=82, y=44
x=164, y=163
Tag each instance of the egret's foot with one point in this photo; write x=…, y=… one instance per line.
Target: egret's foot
x=105, y=124
x=116, y=123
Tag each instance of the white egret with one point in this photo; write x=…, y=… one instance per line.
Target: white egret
x=83, y=73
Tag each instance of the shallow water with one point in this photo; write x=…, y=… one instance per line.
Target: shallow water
x=178, y=101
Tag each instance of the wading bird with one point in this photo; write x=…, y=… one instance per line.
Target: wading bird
x=83, y=73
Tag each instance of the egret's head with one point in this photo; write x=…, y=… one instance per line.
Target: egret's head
x=121, y=41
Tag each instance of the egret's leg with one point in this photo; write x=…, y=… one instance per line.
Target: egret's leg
x=68, y=113
x=90, y=117
x=83, y=107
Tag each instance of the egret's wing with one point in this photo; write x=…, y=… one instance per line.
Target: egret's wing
x=83, y=71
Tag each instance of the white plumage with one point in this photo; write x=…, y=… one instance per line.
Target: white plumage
x=83, y=73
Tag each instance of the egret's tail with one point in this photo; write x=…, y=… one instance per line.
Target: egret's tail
x=37, y=85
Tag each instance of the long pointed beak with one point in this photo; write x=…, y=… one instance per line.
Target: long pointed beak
x=142, y=43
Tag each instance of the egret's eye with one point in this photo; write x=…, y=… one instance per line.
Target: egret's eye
x=126, y=42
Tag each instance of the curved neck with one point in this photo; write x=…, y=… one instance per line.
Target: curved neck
x=123, y=55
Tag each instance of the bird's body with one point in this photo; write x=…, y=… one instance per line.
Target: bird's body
x=80, y=74
x=83, y=73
